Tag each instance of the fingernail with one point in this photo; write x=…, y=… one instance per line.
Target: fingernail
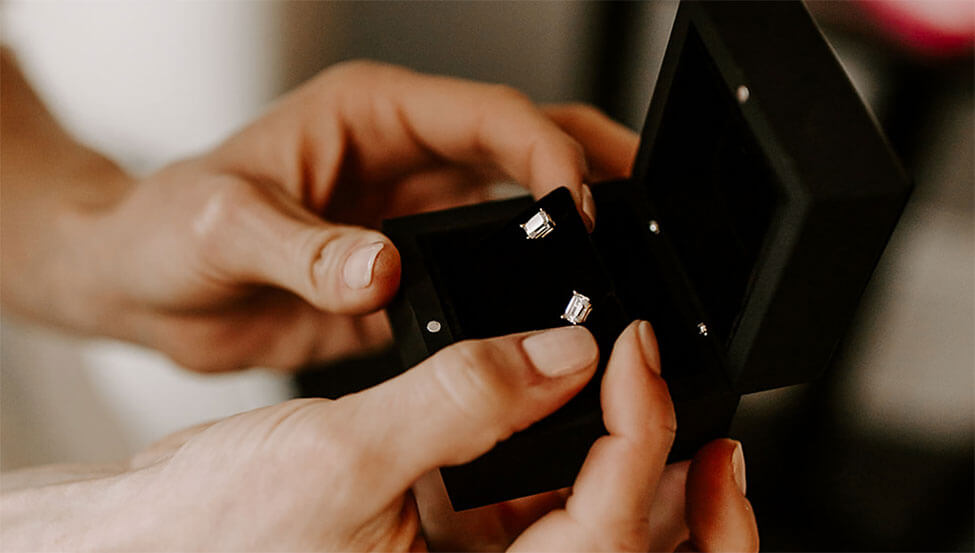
x=588, y=208
x=738, y=467
x=357, y=272
x=648, y=345
x=561, y=351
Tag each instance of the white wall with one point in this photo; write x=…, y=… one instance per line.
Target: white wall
x=146, y=83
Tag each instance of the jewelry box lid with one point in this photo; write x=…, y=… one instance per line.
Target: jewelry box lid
x=770, y=180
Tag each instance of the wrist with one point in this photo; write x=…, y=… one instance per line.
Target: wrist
x=87, y=295
x=79, y=515
x=54, y=242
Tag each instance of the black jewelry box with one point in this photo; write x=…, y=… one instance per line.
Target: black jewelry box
x=761, y=199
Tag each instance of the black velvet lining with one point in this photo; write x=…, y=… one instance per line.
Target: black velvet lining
x=492, y=280
x=711, y=187
x=651, y=286
x=495, y=281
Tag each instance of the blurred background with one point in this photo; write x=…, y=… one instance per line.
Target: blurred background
x=877, y=455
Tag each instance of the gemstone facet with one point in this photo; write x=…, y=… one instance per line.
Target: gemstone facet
x=578, y=309
x=538, y=226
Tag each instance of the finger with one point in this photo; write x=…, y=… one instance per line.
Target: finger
x=276, y=329
x=398, y=121
x=614, y=489
x=442, y=188
x=719, y=516
x=610, y=147
x=255, y=234
x=611, y=500
x=668, y=525
x=458, y=404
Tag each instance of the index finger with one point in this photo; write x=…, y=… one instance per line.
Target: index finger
x=398, y=121
x=610, y=147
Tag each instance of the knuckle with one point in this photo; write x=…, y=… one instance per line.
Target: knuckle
x=327, y=438
x=354, y=67
x=465, y=377
x=356, y=70
x=507, y=94
x=323, y=250
x=576, y=152
x=666, y=419
x=579, y=112
x=306, y=430
x=631, y=532
x=569, y=151
x=326, y=251
x=226, y=206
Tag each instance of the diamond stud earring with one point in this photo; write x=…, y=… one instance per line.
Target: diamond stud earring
x=538, y=226
x=578, y=309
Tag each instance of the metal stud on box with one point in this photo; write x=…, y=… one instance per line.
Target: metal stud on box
x=742, y=94
x=538, y=226
x=578, y=309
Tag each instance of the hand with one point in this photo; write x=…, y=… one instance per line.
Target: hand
x=263, y=251
x=697, y=505
x=321, y=475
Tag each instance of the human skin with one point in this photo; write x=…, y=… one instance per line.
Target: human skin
x=319, y=475
x=263, y=252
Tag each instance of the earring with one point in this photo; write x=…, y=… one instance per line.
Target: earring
x=538, y=226
x=578, y=309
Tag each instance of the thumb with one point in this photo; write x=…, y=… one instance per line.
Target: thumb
x=459, y=403
x=166, y=446
x=255, y=234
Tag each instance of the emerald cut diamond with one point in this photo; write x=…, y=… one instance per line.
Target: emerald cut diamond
x=578, y=309
x=538, y=226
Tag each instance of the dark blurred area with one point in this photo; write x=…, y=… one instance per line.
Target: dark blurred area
x=878, y=454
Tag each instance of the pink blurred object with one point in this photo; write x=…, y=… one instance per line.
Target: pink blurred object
x=930, y=27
